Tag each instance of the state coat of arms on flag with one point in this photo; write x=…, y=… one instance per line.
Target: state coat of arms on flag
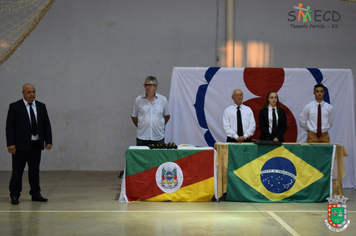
x=169, y=177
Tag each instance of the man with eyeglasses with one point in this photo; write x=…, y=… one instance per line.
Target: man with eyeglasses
x=239, y=122
x=150, y=114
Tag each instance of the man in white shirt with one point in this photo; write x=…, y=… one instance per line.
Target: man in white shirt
x=150, y=114
x=317, y=129
x=231, y=117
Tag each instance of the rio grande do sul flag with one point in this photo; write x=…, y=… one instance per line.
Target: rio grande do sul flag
x=169, y=175
x=288, y=173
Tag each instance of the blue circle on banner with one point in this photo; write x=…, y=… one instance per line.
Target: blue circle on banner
x=278, y=175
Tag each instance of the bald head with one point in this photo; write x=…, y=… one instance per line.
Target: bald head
x=237, y=96
x=29, y=92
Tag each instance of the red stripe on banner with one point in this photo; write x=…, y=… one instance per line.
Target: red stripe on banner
x=195, y=168
x=142, y=185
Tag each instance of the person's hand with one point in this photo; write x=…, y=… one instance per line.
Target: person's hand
x=275, y=139
x=48, y=146
x=11, y=149
x=240, y=139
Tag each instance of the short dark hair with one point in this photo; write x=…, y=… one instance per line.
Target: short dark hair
x=319, y=86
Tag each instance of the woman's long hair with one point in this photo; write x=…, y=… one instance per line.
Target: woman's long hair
x=267, y=103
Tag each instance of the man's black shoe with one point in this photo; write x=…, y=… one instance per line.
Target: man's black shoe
x=15, y=200
x=39, y=198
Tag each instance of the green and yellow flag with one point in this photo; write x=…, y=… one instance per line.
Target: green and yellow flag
x=288, y=173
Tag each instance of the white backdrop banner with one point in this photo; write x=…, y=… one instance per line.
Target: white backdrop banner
x=199, y=96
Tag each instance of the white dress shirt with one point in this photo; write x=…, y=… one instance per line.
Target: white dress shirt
x=309, y=116
x=29, y=115
x=150, y=116
x=270, y=117
x=230, y=121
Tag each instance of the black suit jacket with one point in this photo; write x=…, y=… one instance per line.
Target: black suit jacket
x=18, y=126
x=264, y=125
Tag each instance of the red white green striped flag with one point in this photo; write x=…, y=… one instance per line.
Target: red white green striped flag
x=169, y=175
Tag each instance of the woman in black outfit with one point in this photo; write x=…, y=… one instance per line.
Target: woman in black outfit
x=270, y=131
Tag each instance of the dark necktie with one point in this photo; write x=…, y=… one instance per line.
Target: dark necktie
x=33, y=121
x=274, y=123
x=239, y=122
x=318, y=130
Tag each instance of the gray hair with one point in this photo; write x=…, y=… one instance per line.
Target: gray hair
x=151, y=78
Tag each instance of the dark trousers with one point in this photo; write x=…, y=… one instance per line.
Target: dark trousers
x=232, y=140
x=33, y=159
x=140, y=142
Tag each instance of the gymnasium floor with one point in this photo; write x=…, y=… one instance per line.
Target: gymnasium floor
x=86, y=203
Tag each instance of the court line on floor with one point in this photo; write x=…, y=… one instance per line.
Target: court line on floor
x=283, y=223
x=168, y=211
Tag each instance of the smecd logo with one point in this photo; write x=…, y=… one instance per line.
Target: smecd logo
x=303, y=16
x=303, y=13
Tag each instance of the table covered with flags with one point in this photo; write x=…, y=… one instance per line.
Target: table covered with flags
x=183, y=174
x=292, y=172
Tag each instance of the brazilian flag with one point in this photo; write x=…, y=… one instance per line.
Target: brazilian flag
x=287, y=173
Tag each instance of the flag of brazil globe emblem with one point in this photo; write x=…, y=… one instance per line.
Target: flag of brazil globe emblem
x=264, y=173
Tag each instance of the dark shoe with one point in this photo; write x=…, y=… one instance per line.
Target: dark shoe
x=15, y=200
x=39, y=198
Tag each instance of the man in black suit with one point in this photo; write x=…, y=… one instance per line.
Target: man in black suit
x=28, y=131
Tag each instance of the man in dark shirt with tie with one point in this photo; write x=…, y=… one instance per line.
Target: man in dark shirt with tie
x=239, y=122
x=28, y=131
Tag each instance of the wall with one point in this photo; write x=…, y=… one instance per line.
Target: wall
x=88, y=60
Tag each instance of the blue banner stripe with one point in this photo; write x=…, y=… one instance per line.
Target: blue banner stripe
x=209, y=74
x=199, y=104
x=209, y=138
x=318, y=76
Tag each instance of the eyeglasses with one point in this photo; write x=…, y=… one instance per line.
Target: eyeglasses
x=148, y=85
